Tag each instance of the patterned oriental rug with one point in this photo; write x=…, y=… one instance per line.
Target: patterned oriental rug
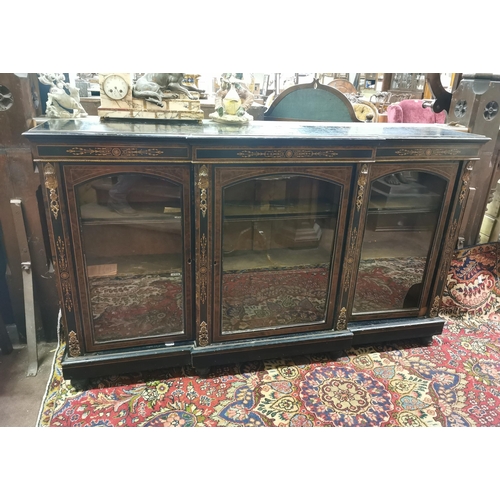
x=139, y=305
x=274, y=297
x=455, y=381
x=382, y=284
x=133, y=306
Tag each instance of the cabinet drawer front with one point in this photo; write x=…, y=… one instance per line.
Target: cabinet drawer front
x=410, y=152
x=267, y=154
x=115, y=152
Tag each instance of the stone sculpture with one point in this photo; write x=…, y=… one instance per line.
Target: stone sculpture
x=63, y=99
x=154, y=87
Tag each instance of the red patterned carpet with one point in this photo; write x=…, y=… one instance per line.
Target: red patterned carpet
x=455, y=381
x=134, y=306
x=267, y=298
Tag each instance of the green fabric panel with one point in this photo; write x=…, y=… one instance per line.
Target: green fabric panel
x=314, y=105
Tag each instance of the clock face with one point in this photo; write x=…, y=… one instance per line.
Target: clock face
x=115, y=87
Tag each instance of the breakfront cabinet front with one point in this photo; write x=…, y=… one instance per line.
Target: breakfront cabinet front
x=204, y=244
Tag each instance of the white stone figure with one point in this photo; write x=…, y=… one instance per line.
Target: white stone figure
x=63, y=100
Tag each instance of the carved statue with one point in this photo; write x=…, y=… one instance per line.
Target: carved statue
x=63, y=100
x=232, y=100
x=154, y=87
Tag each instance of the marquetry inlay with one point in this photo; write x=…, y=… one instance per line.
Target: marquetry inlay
x=52, y=185
x=64, y=274
x=115, y=151
x=288, y=153
x=203, y=185
x=342, y=320
x=465, y=183
x=361, y=187
x=73, y=344
x=203, y=334
x=428, y=152
x=202, y=277
x=349, y=261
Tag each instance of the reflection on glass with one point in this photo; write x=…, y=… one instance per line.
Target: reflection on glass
x=132, y=241
x=277, y=240
x=403, y=212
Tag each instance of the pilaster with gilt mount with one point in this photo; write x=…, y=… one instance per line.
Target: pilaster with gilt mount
x=203, y=254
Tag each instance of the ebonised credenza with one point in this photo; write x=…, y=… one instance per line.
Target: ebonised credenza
x=203, y=244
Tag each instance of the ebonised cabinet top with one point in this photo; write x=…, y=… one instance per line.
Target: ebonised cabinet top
x=93, y=127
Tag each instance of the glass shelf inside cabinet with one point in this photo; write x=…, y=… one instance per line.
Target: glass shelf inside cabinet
x=403, y=214
x=131, y=228
x=277, y=243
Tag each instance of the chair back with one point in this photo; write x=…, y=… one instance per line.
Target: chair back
x=311, y=102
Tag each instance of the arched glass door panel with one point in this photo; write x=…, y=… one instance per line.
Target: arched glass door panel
x=278, y=237
x=132, y=242
x=402, y=218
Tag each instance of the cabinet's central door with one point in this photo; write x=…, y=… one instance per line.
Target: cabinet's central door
x=277, y=247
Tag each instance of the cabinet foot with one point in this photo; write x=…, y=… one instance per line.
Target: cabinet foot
x=202, y=372
x=335, y=355
x=426, y=341
x=80, y=384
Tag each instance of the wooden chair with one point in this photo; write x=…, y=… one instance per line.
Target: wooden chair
x=345, y=86
x=311, y=102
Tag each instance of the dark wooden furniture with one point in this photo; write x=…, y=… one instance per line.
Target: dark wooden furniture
x=204, y=244
x=475, y=104
x=344, y=86
x=20, y=102
x=367, y=81
x=410, y=85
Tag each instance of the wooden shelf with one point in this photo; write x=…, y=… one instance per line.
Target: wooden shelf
x=127, y=265
x=95, y=214
x=283, y=258
x=275, y=211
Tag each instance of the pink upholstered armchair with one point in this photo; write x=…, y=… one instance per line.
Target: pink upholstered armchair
x=411, y=111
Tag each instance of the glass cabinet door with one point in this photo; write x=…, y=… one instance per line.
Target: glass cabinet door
x=132, y=246
x=278, y=235
x=403, y=215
